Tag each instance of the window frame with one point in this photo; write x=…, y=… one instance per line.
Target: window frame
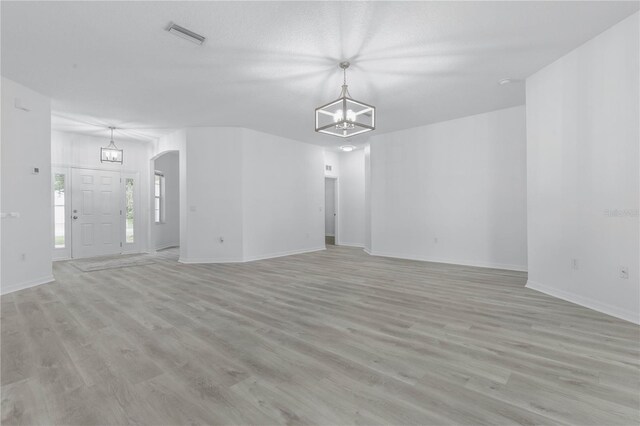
x=138, y=229
x=65, y=198
x=61, y=253
x=159, y=195
x=134, y=191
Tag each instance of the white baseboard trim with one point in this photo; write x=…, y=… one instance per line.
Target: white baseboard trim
x=587, y=302
x=27, y=284
x=282, y=254
x=166, y=246
x=358, y=245
x=127, y=252
x=192, y=260
x=492, y=265
x=249, y=258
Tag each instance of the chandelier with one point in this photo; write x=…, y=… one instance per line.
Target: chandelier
x=111, y=154
x=345, y=116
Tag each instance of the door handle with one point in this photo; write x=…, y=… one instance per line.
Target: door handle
x=75, y=217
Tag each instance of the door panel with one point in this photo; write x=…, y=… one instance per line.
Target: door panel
x=87, y=202
x=87, y=234
x=95, y=213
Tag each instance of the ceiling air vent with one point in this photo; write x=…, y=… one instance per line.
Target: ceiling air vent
x=185, y=34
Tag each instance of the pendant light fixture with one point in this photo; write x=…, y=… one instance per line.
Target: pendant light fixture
x=111, y=154
x=345, y=116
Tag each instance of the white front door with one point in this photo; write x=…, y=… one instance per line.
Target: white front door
x=95, y=213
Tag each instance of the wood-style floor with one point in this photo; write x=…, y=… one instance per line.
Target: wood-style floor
x=334, y=337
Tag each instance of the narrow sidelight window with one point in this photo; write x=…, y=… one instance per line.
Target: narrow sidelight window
x=159, y=198
x=58, y=211
x=128, y=191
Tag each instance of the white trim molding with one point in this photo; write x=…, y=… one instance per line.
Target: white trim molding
x=27, y=284
x=282, y=254
x=357, y=245
x=194, y=260
x=587, y=302
x=245, y=259
x=166, y=246
x=478, y=264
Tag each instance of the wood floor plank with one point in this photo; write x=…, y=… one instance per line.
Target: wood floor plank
x=23, y=404
x=17, y=364
x=328, y=338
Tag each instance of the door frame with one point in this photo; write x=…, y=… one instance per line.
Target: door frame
x=336, y=204
x=67, y=252
x=151, y=223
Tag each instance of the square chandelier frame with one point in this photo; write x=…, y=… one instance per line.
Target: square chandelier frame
x=343, y=127
x=111, y=155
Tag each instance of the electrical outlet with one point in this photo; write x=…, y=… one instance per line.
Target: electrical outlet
x=23, y=257
x=574, y=264
x=435, y=240
x=221, y=239
x=624, y=272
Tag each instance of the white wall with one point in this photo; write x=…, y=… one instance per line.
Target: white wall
x=26, y=241
x=583, y=165
x=214, y=195
x=283, y=196
x=76, y=150
x=452, y=192
x=352, y=198
x=332, y=158
x=167, y=233
x=247, y=195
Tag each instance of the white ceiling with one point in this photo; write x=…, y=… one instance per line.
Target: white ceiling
x=267, y=65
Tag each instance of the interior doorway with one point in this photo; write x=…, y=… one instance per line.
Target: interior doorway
x=165, y=221
x=330, y=209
